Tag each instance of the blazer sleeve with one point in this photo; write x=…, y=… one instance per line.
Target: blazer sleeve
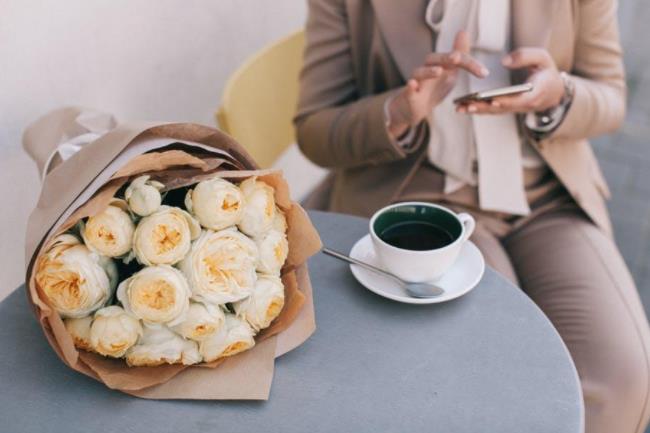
x=600, y=92
x=336, y=127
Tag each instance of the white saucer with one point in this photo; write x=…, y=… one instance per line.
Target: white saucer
x=463, y=276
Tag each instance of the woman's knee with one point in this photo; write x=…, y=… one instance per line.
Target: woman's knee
x=575, y=273
x=616, y=390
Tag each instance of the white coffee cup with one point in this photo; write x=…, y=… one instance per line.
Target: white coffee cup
x=417, y=265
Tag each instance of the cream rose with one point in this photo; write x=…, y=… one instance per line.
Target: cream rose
x=216, y=203
x=157, y=295
x=280, y=221
x=164, y=237
x=221, y=266
x=159, y=345
x=143, y=195
x=114, y=331
x=109, y=233
x=234, y=337
x=201, y=321
x=79, y=330
x=259, y=211
x=273, y=250
x=264, y=304
x=75, y=281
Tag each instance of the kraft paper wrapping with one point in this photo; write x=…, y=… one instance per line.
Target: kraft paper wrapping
x=245, y=376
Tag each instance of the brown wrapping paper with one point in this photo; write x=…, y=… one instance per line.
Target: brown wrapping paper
x=244, y=376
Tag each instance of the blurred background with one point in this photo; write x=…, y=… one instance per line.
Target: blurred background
x=169, y=60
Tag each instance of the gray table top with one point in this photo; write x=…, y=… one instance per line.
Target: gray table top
x=487, y=362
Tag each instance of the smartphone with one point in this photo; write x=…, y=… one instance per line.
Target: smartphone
x=487, y=95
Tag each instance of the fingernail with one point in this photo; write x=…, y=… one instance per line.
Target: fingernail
x=471, y=109
x=506, y=61
x=495, y=104
x=484, y=71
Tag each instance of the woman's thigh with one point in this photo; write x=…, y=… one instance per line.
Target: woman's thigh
x=576, y=275
x=494, y=253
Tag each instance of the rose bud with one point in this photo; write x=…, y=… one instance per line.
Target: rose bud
x=264, y=304
x=280, y=221
x=273, y=251
x=259, y=211
x=159, y=345
x=201, y=321
x=109, y=233
x=234, y=337
x=216, y=203
x=114, y=331
x=79, y=330
x=143, y=195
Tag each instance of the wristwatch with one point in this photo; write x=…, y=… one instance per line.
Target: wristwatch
x=542, y=124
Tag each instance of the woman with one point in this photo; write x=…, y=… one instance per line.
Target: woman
x=376, y=106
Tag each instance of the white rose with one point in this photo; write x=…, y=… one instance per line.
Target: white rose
x=143, y=195
x=264, y=304
x=234, y=337
x=221, y=266
x=109, y=233
x=156, y=294
x=159, y=345
x=201, y=321
x=280, y=221
x=273, y=251
x=79, y=330
x=259, y=211
x=75, y=281
x=114, y=331
x=164, y=237
x=216, y=203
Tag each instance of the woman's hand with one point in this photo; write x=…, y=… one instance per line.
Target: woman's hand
x=431, y=83
x=548, y=87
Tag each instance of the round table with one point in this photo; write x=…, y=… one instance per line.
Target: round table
x=487, y=362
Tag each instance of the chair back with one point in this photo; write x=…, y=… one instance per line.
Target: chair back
x=260, y=98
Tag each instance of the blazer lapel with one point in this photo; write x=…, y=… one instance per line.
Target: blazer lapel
x=405, y=32
x=532, y=21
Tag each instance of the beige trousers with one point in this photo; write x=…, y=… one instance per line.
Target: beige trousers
x=576, y=275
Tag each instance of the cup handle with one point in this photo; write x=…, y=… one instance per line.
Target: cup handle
x=468, y=222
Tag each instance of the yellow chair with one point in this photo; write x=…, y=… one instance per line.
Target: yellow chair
x=259, y=100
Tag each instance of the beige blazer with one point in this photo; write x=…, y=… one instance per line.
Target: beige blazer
x=359, y=52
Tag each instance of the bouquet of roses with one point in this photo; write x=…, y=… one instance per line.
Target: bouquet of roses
x=176, y=253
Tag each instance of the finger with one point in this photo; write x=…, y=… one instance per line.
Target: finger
x=482, y=107
x=427, y=72
x=461, y=42
x=527, y=57
x=457, y=60
x=411, y=87
x=523, y=100
x=517, y=104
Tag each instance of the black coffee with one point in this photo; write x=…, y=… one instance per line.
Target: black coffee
x=416, y=235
